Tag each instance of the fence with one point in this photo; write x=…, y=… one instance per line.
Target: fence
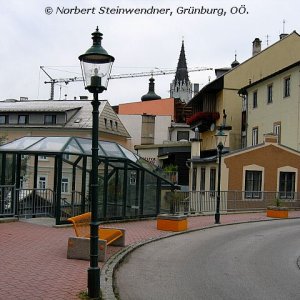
x=73, y=207
x=195, y=202
x=35, y=202
x=7, y=203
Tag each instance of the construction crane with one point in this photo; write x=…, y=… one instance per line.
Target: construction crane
x=53, y=81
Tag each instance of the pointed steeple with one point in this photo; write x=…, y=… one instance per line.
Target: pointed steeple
x=181, y=87
x=181, y=71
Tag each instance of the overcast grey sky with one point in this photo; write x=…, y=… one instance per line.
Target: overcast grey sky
x=30, y=38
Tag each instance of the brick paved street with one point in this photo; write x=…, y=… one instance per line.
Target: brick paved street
x=34, y=263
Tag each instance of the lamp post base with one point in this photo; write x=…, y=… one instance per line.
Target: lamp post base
x=217, y=219
x=94, y=282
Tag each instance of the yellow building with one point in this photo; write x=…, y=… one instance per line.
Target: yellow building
x=221, y=97
x=271, y=105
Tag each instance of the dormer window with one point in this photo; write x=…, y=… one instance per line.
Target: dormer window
x=50, y=119
x=3, y=119
x=23, y=119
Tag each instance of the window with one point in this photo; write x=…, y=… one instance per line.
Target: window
x=43, y=157
x=22, y=182
x=277, y=130
x=65, y=185
x=194, y=182
x=287, y=185
x=23, y=119
x=116, y=123
x=202, y=178
x=3, y=119
x=111, y=124
x=42, y=184
x=254, y=136
x=270, y=93
x=253, y=181
x=212, y=181
x=105, y=122
x=243, y=141
x=255, y=99
x=183, y=135
x=49, y=119
x=287, y=87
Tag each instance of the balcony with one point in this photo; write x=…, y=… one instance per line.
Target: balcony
x=203, y=120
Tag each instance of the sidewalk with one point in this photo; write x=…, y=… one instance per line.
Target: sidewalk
x=34, y=263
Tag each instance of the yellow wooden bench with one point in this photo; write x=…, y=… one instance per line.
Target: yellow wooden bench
x=78, y=247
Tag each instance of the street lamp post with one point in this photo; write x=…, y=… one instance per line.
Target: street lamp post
x=220, y=140
x=96, y=66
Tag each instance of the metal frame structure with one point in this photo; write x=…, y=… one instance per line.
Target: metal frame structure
x=129, y=186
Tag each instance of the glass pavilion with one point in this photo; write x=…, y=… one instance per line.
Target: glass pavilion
x=51, y=176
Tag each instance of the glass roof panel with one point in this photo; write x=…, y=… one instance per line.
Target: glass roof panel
x=147, y=165
x=73, y=147
x=50, y=144
x=112, y=149
x=86, y=145
x=130, y=155
x=22, y=143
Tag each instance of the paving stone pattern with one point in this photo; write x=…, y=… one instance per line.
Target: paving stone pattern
x=33, y=257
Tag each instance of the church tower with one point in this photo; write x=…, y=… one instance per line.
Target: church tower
x=181, y=87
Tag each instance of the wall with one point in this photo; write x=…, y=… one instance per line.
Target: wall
x=278, y=157
x=153, y=107
x=282, y=109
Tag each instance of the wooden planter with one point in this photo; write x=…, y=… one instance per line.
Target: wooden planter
x=172, y=222
x=277, y=212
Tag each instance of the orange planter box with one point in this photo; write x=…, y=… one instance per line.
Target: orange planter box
x=172, y=223
x=272, y=213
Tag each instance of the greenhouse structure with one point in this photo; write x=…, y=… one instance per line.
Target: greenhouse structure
x=50, y=176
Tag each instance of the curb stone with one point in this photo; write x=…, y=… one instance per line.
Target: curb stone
x=111, y=265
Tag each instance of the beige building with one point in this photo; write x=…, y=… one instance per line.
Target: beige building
x=271, y=104
x=221, y=97
x=59, y=118
x=222, y=93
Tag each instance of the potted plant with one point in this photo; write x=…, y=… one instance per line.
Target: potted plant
x=171, y=172
x=172, y=221
x=277, y=210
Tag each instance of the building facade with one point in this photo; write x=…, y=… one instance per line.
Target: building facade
x=220, y=103
x=271, y=104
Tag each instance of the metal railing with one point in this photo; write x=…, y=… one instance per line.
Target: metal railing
x=35, y=202
x=74, y=206
x=7, y=200
x=195, y=202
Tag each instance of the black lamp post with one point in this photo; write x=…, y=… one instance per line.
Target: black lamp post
x=220, y=141
x=96, y=66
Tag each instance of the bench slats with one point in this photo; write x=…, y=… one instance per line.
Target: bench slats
x=81, y=224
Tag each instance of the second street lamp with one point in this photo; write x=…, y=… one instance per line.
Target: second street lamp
x=220, y=141
x=96, y=66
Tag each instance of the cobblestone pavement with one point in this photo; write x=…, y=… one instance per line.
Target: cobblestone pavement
x=34, y=262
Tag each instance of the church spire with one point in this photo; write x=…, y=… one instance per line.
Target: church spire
x=181, y=87
x=181, y=71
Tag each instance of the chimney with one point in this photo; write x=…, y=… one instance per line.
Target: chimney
x=256, y=46
x=148, y=129
x=283, y=35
